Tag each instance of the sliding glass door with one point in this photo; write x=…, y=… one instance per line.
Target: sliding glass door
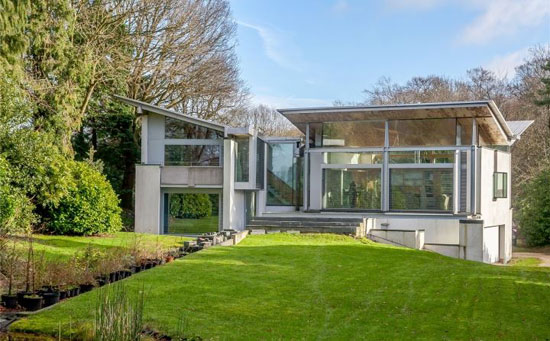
x=354, y=189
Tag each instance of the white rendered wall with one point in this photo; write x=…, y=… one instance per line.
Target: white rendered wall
x=490, y=244
x=155, y=139
x=147, y=206
x=437, y=230
x=496, y=212
x=316, y=181
x=233, y=200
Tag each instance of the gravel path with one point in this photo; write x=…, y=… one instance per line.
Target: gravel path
x=545, y=259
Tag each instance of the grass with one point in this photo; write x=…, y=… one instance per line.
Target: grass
x=64, y=247
x=528, y=261
x=194, y=226
x=284, y=286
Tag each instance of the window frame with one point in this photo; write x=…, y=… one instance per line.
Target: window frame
x=504, y=183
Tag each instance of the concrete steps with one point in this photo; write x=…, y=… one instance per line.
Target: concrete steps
x=349, y=226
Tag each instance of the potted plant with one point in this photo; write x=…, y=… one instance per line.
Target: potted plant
x=51, y=277
x=87, y=261
x=28, y=271
x=10, y=258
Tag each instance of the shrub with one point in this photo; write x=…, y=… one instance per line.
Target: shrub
x=534, y=210
x=190, y=205
x=90, y=207
x=15, y=208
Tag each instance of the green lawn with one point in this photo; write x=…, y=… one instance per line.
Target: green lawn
x=194, y=226
x=64, y=247
x=529, y=261
x=283, y=286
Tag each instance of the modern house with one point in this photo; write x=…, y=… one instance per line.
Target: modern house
x=437, y=175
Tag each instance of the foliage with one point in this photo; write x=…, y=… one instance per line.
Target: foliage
x=89, y=208
x=190, y=205
x=545, y=91
x=327, y=287
x=534, y=210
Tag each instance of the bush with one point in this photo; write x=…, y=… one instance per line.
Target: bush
x=190, y=205
x=534, y=210
x=15, y=208
x=90, y=207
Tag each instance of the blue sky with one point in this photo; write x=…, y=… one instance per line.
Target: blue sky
x=312, y=52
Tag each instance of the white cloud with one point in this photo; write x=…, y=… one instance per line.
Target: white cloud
x=278, y=47
x=505, y=17
x=280, y=102
x=340, y=6
x=505, y=65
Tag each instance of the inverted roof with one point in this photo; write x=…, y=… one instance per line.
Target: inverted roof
x=518, y=127
x=171, y=113
x=489, y=116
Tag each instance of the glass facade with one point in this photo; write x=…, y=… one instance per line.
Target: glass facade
x=500, y=185
x=353, y=158
x=421, y=189
x=425, y=132
x=353, y=134
x=241, y=159
x=352, y=189
x=177, y=129
x=191, y=213
x=422, y=156
x=192, y=155
x=283, y=182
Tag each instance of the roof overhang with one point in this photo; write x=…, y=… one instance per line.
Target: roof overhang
x=487, y=114
x=142, y=106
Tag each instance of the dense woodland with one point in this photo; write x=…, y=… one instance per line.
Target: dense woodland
x=67, y=146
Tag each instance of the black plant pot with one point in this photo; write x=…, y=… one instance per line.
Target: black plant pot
x=32, y=303
x=21, y=295
x=50, y=298
x=63, y=294
x=9, y=301
x=75, y=291
x=148, y=265
x=127, y=273
x=136, y=268
x=121, y=274
x=86, y=287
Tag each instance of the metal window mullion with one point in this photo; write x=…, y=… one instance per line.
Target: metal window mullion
x=421, y=165
x=193, y=142
x=386, y=171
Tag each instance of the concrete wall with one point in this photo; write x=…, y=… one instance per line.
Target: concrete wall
x=412, y=239
x=437, y=229
x=155, y=139
x=147, y=206
x=316, y=181
x=191, y=176
x=233, y=200
x=491, y=244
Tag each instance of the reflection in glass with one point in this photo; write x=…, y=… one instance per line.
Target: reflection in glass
x=421, y=189
x=177, y=129
x=352, y=188
x=191, y=213
x=192, y=155
x=354, y=134
x=241, y=160
x=422, y=156
x=353, y=158
x=425, y=132
x=282, y=180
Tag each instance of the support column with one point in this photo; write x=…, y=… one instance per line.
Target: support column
x=228, y=183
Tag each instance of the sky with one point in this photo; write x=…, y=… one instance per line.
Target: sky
x=305, y=53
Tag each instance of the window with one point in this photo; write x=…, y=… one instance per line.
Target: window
x=260, y=163
x=178, y=129
x=241, y=159
x=423, y=156
x=425, y=132
x=352, y=188
x=421, y=189
x=282, y=182
x=353, y=158
x=466, y=126
x=354, y=134
x=500, y=185
x=192, y=155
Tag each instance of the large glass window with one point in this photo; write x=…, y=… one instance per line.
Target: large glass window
x=352, y=188
x=241, y=159
x=178, y=129
x=354, y=134
x=192, y=155
x=421, y=189
x=466, y=126
x=282, y=181
x=424, y=132
x=191, y=213
x=422, y=156
x=353, y=158
x=500, y=185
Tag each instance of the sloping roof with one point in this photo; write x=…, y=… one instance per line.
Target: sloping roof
x=518, y=127
x=171, y=113
x=487, y=113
